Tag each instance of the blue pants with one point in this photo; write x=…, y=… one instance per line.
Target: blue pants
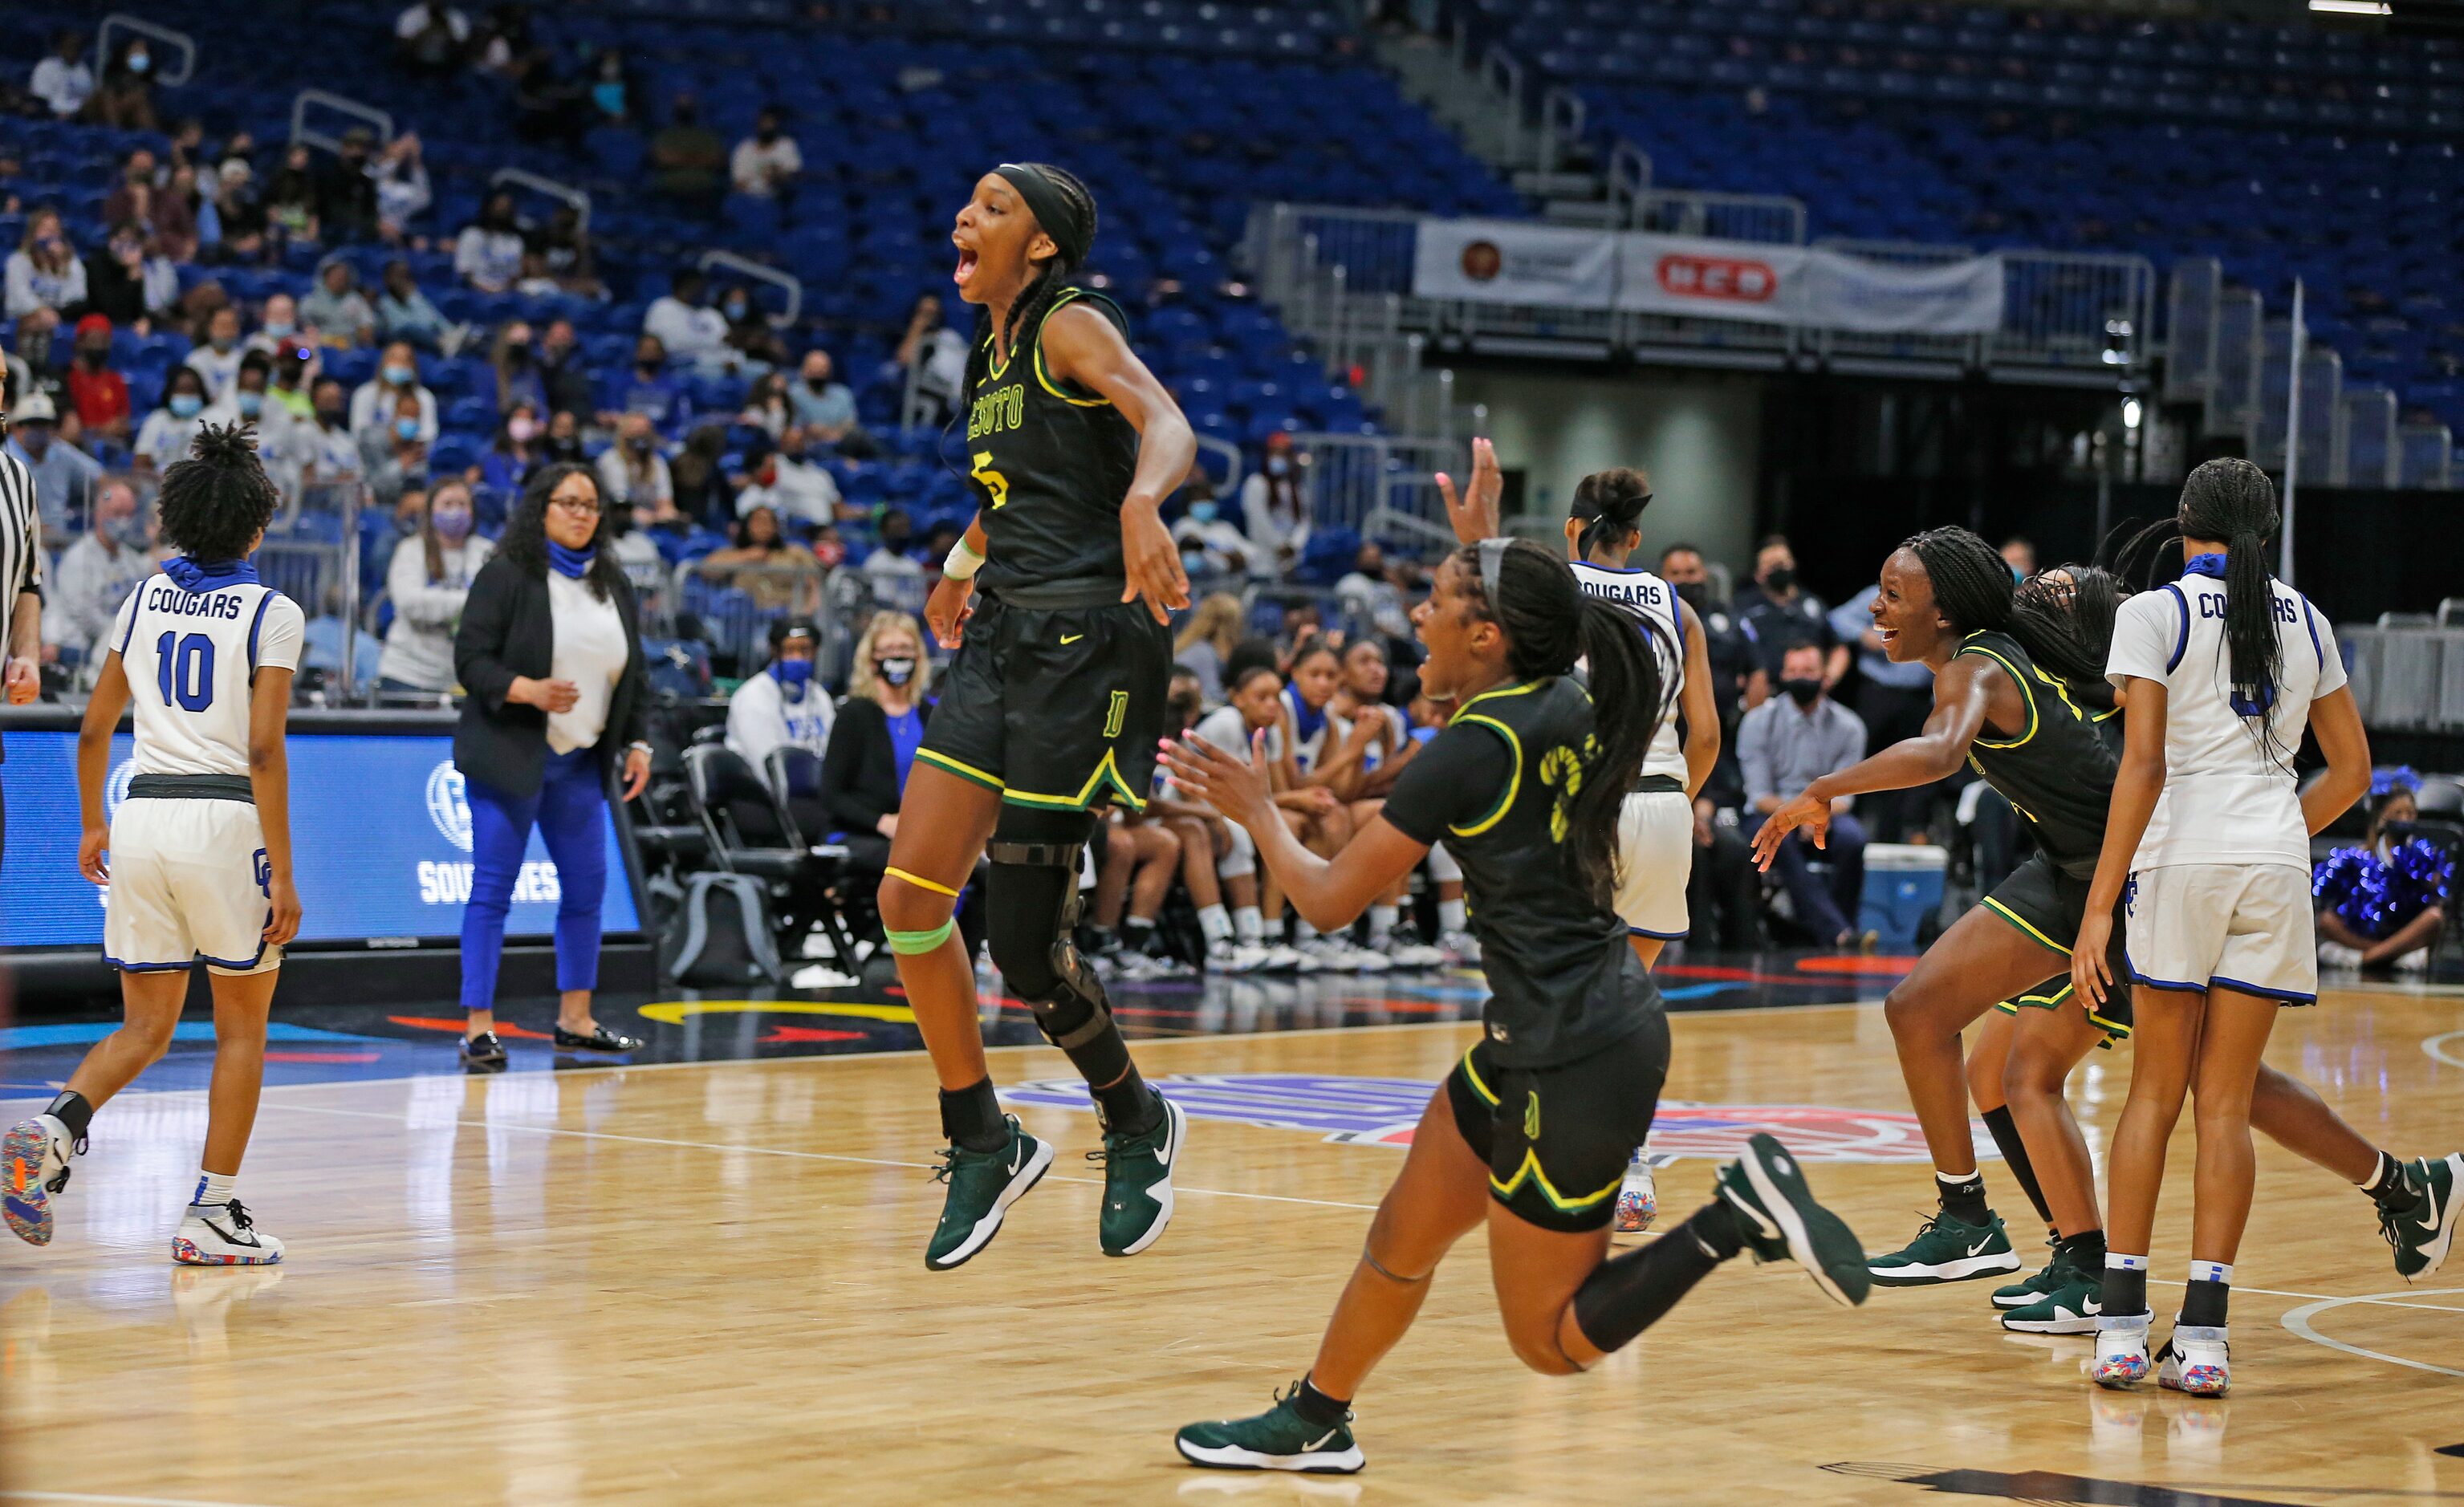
x=1823, y=909
x=570, y=812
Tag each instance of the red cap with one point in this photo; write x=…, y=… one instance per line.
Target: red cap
x=95, y=325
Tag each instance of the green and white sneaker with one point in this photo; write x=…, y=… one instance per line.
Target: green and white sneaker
x=1137, y=1181
x=982, y=1186
x=2044, y=1281
x=1947, y=1250
x=1278, y=1439
x=1785, y=1224
x=2071, y=1309
x=2423, y=1236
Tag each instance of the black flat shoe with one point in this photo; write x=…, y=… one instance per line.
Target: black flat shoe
x=599, y=1040
x=483, y=1052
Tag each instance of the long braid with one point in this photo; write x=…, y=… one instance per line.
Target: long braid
x=1971, y=586
x=1052, y=276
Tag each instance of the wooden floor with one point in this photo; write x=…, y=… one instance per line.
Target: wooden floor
x=705, y=1283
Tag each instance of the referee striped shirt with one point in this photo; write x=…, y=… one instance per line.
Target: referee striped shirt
x=21, y=542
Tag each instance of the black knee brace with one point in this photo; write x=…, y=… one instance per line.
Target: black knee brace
x=1031, y=901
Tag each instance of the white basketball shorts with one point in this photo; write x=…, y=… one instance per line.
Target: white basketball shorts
x=2247, y=927
x=1655, y=854
x=188, y=880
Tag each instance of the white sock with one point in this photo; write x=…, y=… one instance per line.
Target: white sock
x=1248, y=925
x=2117, y=1261
x=1382, y=920
x=213, y=1189
x=1216, y=922
x=1302, y=931
x=1450, y=915
x=2211, y=1272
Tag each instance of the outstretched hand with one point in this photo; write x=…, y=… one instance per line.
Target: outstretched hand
x=1474, y=513
x=1811, y=815
x=1236, y=787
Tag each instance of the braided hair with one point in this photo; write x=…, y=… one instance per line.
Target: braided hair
x=2233, y=501
x=215, y=503
x=2065, y=629
x=1608, y=504
x=1550, y=623
x=1044, y=288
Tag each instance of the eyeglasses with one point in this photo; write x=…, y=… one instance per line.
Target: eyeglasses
x=587, y=508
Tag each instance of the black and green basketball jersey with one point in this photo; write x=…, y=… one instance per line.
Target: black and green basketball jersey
x=1050, y=462
x=1556, y=957
x=2058, y=772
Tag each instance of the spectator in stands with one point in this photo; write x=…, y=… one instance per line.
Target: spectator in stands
x=1209, y=544
x=43, y=272
x=1777, y=614
x=163, y=439
x=427, y=581
x=336, y=310
x=631, y=471
x=688, y=159
x=430, y=39
x=239, y=210
x=766, y=565
x=290, y=199
x=766, y=406
x=894, y=572
x=1275, y=510
x=322, y=452
x=563, y=441
x=1722, y=898
x=766, y=163
x=2019, y=553
x=872, y=742
x=515, y=368
x=1371, y=590
x=649, y=389
x=393, y=456
x=218, y=357
x=29, y=364
x=119, y=283
x=704, y=491
x=792, y=485
x=611, y=90
x=295, y=373
x=405, y=314
x=177, y=231
x=515, y=451
x=62, y=80
x=1207, y=640
x=397, y=375
x=247, y=402
x=488, y=255
x=64, y=476
x=97, y=572
x=503, y=42
x=277, y=326
x=934, y=355
x=399, y=174
x=826, y=407
x=1786, y=744
x=132, y=198
x=563, y=371
x=2381, y=905
x=564, y=243
x=783, y=707
x=124, y=101
x=753, y=343
x=688, y=329
x=98, y=394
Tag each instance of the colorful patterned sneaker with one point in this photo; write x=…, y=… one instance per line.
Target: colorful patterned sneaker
x=2069, y=1309
x=1638, y=1202
x=222, y=1235
x=1278, y=1439
x=1137, y=1181
x=2121, y=1350
x=982, y=1186
x=33, y=1165
x=1947, y=1250
x=1785, y=1224
x=2045, y=1280
x=2422, y=1236
x=2194, y=1361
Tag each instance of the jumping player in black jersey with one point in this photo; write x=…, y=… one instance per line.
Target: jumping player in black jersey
x=2018, y=693
x=1056, y=601
x=1531, y=1132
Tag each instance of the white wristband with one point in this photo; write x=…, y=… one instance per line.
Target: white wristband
x=962, y=563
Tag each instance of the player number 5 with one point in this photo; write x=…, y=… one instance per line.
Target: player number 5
x=993, y=482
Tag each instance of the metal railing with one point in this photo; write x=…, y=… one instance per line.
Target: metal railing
x=2425, y=456
x=2082, y=309
x=2233, y=400
x=1770, y=218
x=1563, y=119
x=2190, y=304
x=339, y=104
x=1629, y=179
x=735, y=603
x=152, y=31
x=561, y=192
x=2409, y=678
x=2372, y=456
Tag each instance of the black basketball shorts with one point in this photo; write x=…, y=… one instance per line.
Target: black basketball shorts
x=2049, y=904
x=1558, y=1139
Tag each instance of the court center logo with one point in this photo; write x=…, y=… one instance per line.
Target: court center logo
x=448, y=804
x=1383, y=1112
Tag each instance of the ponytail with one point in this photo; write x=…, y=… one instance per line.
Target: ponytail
x=1608, y=504
x=2064, y=620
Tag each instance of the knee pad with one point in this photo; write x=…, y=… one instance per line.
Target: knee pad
x=1442, y=867
x=1239, y=859
x=1031, y=903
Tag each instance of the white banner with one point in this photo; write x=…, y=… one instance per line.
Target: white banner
x=1515, y=261
x=1508, y=261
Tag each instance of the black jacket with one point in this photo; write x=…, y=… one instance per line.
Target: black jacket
x=507, y=632
x=860, y=767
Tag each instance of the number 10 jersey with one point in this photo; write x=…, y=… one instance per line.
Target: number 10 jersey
x=191, y=658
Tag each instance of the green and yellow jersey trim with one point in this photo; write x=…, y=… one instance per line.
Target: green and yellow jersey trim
x=1530, y=1171
x=1043, y=377
x=966, y=771
x=2015, y=919
x=2026, y=693
x=1471, y=1076
x=1514, y=783
x=1106, y=772
x=2114, y=1030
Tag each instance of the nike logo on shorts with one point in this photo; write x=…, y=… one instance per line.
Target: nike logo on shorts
x=1072, y=638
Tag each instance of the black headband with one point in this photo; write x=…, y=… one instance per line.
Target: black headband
x=1053, y=209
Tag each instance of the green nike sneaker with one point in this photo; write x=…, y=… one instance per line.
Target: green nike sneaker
x=982, y=1186
x=1785, y=1224
x=2071, y=1309
x=1947, y=1250
x=1278, y=1439
x=2423, y=1235
x=1137, y=1181
x=2045, y=1280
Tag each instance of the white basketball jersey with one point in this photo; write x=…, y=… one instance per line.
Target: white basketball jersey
x=190, y=658
x=1655, y=601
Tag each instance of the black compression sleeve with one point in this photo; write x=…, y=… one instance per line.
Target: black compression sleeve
x=1453, y=781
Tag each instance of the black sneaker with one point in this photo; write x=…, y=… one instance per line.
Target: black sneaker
x=982, y=1186
x=483, y=1052
x=1278, y=1439
x=599, y=1039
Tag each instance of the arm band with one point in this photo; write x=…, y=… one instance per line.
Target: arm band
x=962, y=563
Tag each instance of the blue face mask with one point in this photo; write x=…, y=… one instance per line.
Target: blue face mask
x=407, y=429
x=277, y=329
x=184, y=405
x=608, y=97
x=139, y=62
x=399, y=375
x=251, y=404
x=1201, y=512
x=793, y=673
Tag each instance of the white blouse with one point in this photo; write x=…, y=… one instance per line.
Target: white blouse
x=591, y=651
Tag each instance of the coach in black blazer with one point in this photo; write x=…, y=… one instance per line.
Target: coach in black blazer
x=550, y=651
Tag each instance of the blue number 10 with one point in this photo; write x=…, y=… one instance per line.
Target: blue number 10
x=195, y=669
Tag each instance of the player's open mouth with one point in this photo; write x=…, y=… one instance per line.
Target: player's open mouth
x=1888, y=636
x=966, y=266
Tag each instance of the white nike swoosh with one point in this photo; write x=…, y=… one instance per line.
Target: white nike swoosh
x=1980, y=1245
x=1320, y=1443
x=2430, y=1196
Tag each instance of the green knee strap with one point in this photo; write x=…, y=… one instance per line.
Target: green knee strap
x=911, y=944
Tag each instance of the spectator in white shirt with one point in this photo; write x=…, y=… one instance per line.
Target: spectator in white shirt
x=489, y=254
x=62, y=80
x=373, y=403
x=163, y=439
x=632, y=471
x=247, y=402
x=689, y=329
x=426, y=580
x=791, y=486
x=280, y=329
x=336, y=309
x=896, y=576
x=940, y=351
x=1276, y=510
x=431, y=38
x=403, y=192
x=44, y=270
x=218, y=359
x=321, y=454
x=767, y=160
x=783, y=706
x=98, y=570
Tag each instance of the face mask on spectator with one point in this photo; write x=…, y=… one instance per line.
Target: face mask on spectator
x=829, y=551
x=184, y=405
x=279, y=329
x=1278, y=465
x=452, y=525
x=223, y=342
x=251, y=404
x=567, y=449
x=330, y=418
x=1779, y=578
x=620, y=520
x=639, y=443
x=736, y=308
x=94, y=356
x=128, y=533
x=895, y=671
x=1696, y=594
x=1201, y=512
x=793, y=673
x=1802, y=692
x=139, y=62
x=407, y=429
x=609, y=97
x=521, y=428
x=398, y=374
